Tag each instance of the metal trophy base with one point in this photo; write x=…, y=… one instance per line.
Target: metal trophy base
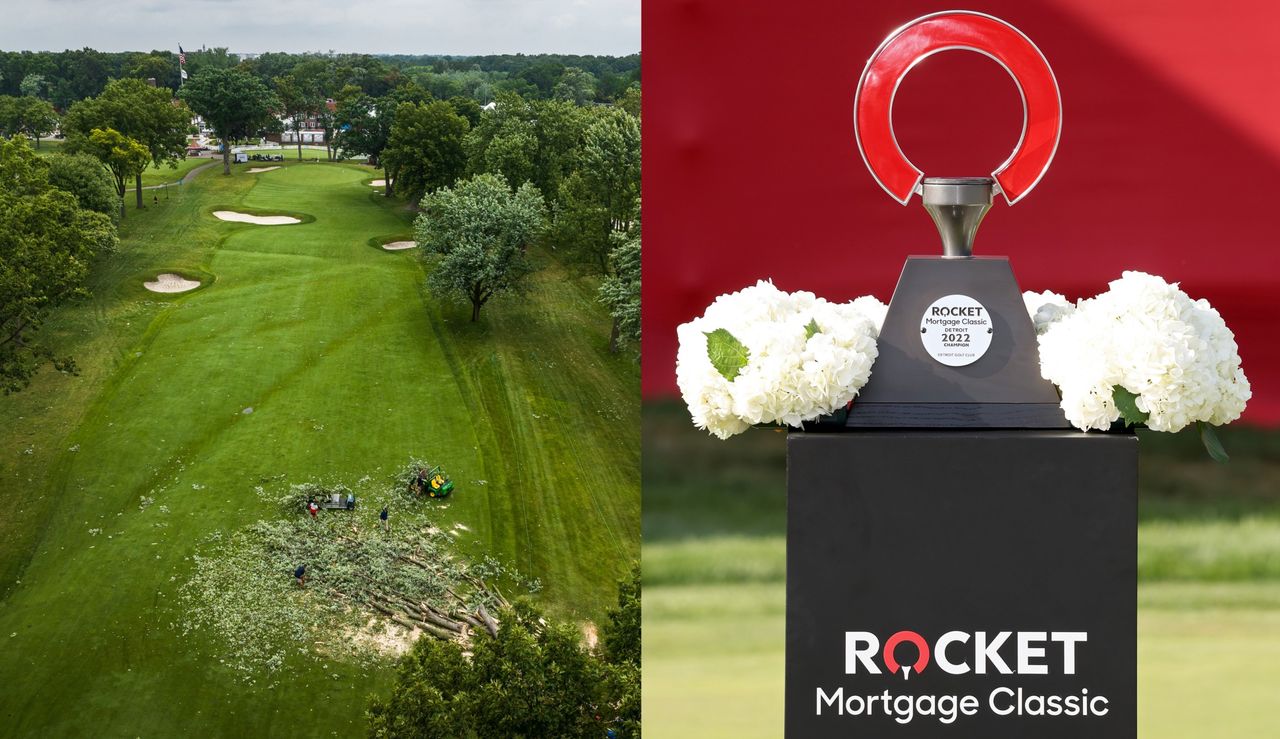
x=1002, y=389
x=1031, y=532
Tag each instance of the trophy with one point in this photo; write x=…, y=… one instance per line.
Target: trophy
x=960, y=562
x=957, y=347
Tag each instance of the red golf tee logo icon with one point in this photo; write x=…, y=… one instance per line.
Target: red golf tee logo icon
x=921, y=645
x=926, y=36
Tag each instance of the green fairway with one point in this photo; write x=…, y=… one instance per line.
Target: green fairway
x=308, y=353
x=715, y=566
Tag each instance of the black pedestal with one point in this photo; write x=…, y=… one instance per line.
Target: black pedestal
x=992, y=550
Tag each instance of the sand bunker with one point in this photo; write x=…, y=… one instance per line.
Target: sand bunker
x=378, y=183
x=256, y=170
x=231, y=215
x=171, y=283
x=398, y=245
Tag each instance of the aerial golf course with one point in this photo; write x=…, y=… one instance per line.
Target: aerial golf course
x=308, y=353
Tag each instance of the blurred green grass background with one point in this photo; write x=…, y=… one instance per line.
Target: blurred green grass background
x=715, y=564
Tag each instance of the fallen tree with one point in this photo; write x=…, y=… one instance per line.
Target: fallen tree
x=412, y=575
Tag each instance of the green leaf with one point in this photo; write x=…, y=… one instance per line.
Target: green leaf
x=811, y=329
x=1127, y=403
x=727, y=354
x=1212, y=445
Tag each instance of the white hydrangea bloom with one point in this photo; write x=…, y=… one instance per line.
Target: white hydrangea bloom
x=873, y=309
x=1147, y=336
x=789, y=377
x=1046, y=307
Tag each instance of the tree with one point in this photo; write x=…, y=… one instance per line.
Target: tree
x=300, y=99
x=138, y=111
x=603, y=195
x=162, y=67
x=543, y=75
x=504, y=141
x=235, y=104
x=575, y=86
x=534, y=679
x=559, y=128
x=630, y=100
x=84, y=176
x=26, y=115
x=364, y=127
x=620, y=642
x=480, y=231
x=47, y=243
x=620, y=292
x=527, y=140
x=467, y=108
x=424, y=151
x=122, y=156
x=33, y=85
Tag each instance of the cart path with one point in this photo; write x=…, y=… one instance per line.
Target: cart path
x=185, y=177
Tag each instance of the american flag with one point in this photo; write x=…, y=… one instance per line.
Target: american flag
x=182, y=56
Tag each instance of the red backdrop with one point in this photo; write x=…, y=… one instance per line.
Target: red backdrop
x=1169, y=160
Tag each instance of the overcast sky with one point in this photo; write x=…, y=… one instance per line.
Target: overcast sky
x=368, y=26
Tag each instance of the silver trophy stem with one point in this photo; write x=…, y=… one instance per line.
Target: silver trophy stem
x=957, y=205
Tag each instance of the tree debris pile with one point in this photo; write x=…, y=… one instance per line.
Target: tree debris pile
x=243, y=591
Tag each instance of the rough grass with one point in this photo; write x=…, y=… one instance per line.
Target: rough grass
x=714, y=583
x=154, y=175
x=349, y=369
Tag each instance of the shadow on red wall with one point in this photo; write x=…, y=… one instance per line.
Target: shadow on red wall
x=751, y=170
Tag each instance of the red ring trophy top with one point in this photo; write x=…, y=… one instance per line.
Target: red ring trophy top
x=958, y=29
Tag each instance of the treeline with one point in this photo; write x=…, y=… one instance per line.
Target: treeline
x=64, y=77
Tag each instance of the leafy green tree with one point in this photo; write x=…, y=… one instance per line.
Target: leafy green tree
x=33, y=85
x=235, y=104
x=603, y=195
x=543, y=75
x=122, y=156
x=47, y=243
x=300, y=99
x=219, y=57
x=620, y=642
x=163, y=68
x=467, y=108
x=575, y=86
x=479, y=231
x=504, y=141
x=630, y=100
x=620, y=292
x=527, y=140
x=425, y=151
x=364, y=127
x=26, y=115
x=84, y=176
x=139, y=111
x=560, y=127
x=534, y=679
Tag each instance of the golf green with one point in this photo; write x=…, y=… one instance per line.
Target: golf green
x=307, y=354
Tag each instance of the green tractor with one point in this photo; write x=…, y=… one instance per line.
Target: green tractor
x=433, y=482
